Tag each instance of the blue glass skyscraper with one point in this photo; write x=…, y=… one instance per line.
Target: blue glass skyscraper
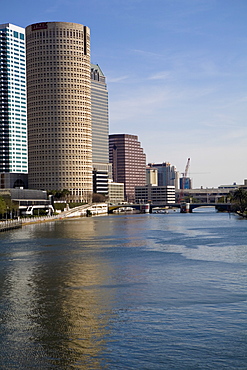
x=13, y=116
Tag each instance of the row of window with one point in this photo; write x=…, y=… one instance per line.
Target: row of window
x=55, y=32
x=18, y=35
x=79, y=99
x=62, y=110
x=60, y=87
x=80, y=72
x=52, y=44
x=77, y=121
x=74, y=59
x=51, y=176
x=52, y=49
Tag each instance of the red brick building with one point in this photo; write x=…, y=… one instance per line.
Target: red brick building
x=128, y=163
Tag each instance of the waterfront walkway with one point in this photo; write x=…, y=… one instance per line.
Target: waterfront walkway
x=14, y=224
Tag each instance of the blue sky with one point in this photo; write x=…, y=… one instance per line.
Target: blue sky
x=176, y=72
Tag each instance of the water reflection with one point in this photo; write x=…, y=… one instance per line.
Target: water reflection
x=57, y=301
x=79, y=294
x=70, y=317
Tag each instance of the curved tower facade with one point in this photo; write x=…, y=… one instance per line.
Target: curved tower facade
x=59, y=108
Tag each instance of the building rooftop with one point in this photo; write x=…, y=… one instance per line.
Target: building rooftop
x=97, y=68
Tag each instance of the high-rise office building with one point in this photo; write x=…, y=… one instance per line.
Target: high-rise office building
x=151, y=176
x=185, y=183
x=59, y=108
x=100, y=120
x=167, y=174
x=100, y=130
x=13, y=118
x=128, y=162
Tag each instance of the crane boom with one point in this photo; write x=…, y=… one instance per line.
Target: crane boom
x=187, y=168
x=185, y=174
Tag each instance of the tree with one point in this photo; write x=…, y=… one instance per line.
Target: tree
x=59, y=194
x=98, y=198
x=65, y=193
x=8, y=207
x=239, y=200
x=3, y=207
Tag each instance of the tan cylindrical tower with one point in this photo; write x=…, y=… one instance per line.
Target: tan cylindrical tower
x=59, y=108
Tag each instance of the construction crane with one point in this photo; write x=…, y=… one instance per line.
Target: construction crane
x=185, y=175
x=187, y=168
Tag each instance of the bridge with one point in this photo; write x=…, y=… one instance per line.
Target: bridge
x=184, y=207
x=188, y=207
x=113, y=207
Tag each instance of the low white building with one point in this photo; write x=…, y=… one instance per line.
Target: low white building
x=155, y=194
x=151, y=176
x=115, y=192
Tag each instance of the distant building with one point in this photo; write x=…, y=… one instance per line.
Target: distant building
x=167, y=174
x=25, y=198
x=245, y=185
x=116, y=192
x=128, y=163
x=13, y=118
x=212, y=195
x=231, y=187
x=151, y=176
x=100, y=130
x=155, y=194
x=100, y=178
x=185, y=183
x=13, y=180
x=207, y=195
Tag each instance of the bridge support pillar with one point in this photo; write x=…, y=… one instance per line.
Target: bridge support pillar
x=185, y=208
x=145, y=208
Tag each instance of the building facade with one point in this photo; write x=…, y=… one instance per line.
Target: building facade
x=167, y=174
x=185, y=183
x=116, y=192
x=13, y=119
x=151, y=176
x=10, y=180
x=207, y=195
x=158, y=195
x=100, y=178
x=128, y=163
x=100, y=130
x=59, y=108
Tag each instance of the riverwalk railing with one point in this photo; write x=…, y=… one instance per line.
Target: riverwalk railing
x=10, y=224
x=37, y=219
x=16, y=224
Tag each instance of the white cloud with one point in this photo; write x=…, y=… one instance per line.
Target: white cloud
x=161, y=75
x=117, y=79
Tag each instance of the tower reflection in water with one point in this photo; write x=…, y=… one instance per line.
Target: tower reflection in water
x=53, y=302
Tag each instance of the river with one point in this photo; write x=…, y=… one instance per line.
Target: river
x=137, y=291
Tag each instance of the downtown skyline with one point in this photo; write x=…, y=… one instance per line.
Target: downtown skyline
x=175, y=73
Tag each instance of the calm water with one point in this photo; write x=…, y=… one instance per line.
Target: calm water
x=125, y=292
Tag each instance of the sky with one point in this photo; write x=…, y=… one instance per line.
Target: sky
x=176, y=74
